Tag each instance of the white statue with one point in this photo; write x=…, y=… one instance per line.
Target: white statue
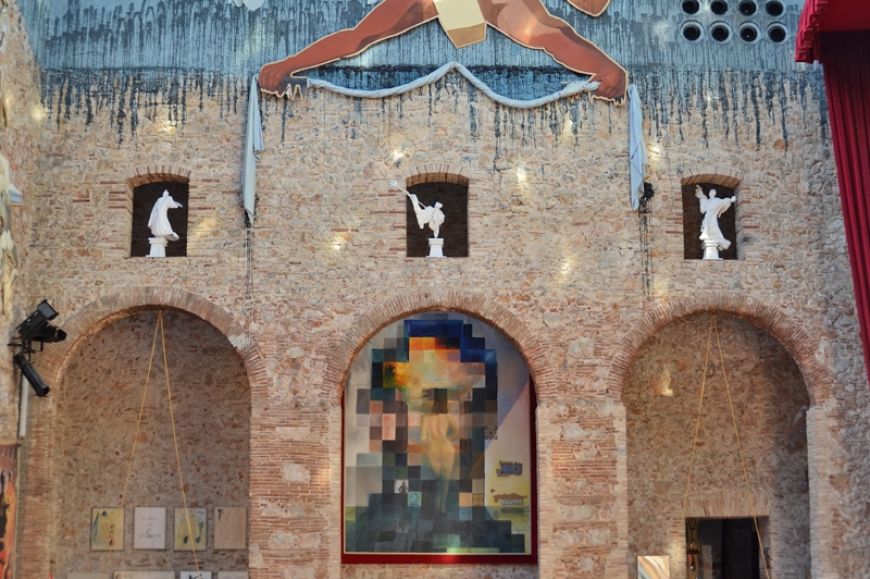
x=434, y=218
x=711, y=236
x=431, y=216
x=159, y=225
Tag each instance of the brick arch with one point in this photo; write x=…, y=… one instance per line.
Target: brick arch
x=486, y=309
x=98, y=314
x=431, y=173
x=723, y=178
x=158, y=174
x=800, y=345
x=38, y=498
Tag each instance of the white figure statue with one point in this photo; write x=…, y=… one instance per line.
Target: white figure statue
x=159, y=225
x=431, y=216
x=711, y=236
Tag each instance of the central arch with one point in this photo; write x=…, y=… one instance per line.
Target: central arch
x=480, y=306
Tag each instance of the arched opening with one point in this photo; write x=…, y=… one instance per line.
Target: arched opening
x=700, y=215
x=103, y=408
x=448, y=193
x=146, y=190
x=688, y=497
x=438, y=446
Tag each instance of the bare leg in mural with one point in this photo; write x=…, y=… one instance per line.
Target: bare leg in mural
x=437, y=432
x=527, y=22
x=387, y=19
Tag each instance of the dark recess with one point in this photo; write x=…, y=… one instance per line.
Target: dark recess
x=144, y=198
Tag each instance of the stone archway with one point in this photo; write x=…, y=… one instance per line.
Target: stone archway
x=821, y=418
x=478, y=305
x=40, y=447
x=803, y=348
x=686, y=459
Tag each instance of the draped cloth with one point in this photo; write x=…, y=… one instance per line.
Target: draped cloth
x=636, y=148
x=253, y=145
x=846, y=57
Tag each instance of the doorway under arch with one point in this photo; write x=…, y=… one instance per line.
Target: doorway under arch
x=676, y=479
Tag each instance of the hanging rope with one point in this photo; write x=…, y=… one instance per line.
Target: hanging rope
x=740, y=450
x=159, y=329
x=175, y=438
x=139, y=417
x=697, y=422
x=714, y=328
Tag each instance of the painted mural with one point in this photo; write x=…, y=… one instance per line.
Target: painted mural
x=8, y=508
x=76, y=39
x=526, y=22
x=438, y=445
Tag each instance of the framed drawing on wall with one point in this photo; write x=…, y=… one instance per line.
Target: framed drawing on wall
x=230, y=528
x=107, y=529
x=149, y=528
x=190, y=529
x=438, y=446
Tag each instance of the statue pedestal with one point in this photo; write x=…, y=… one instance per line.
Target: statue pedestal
x=711, y=250
x=436, y=247
x=158, y=246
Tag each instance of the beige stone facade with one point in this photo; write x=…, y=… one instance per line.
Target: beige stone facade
x=595, y=296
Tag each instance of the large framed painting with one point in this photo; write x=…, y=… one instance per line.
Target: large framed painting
x=438, y=457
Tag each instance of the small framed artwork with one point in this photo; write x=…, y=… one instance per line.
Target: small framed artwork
x=149, y=528
x=195, y=575
x=653, y=567
x=230, y=528
x=233, y=575
x=190, y=529
x=107, y=529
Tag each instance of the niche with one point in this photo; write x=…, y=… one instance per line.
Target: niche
x=692, y=217
x=451, y=191
x=144, y=197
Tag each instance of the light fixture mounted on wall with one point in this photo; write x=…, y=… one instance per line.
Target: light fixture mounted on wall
x=36, y=328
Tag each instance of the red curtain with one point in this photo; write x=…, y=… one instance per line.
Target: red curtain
x=846, y=58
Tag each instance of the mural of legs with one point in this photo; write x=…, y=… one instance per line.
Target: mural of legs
x=529, y=23
x=387, y=19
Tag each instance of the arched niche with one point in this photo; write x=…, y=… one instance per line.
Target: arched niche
x=438, y=446
x=769, y=397
x=101, y=410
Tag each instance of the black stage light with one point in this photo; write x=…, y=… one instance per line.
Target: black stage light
x=49, y=334
x=39, y=385
x=36, y=321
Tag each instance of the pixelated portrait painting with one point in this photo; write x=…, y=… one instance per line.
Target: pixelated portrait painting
x=438, y=446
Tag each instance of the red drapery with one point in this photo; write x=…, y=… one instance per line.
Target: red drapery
x=846, y=58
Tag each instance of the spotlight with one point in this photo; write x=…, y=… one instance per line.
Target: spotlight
x=35, y=329
x=39, y=385
x=36, y=322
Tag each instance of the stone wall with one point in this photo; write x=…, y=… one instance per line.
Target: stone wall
x=99, y=404
x=557, y=260
x=23, y=136
x=770, y=400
